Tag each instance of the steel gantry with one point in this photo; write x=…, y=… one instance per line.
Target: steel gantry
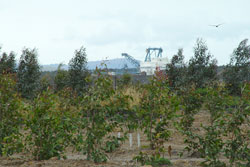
x=157, y=52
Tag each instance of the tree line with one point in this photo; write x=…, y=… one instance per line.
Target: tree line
x=202, y=69
x=28, y=72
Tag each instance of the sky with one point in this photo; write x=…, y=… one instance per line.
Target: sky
x=107, y=28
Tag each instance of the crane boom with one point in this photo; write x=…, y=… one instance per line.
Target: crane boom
x=131, y=59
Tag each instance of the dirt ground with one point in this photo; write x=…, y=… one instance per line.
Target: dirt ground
x=122, y=157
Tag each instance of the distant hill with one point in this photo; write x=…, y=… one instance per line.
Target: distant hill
x=111, y=64
x=52, y=67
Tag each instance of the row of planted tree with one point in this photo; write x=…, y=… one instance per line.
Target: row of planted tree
x=53, y=122
x=201, y=69
x=29, y=78
x=82, y=111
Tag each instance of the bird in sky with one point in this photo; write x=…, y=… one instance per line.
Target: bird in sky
x=216, y=25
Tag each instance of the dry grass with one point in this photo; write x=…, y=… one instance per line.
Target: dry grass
x=133, y=92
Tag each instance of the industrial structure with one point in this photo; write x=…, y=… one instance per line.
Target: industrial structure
x=132, y=60
x=153, y=61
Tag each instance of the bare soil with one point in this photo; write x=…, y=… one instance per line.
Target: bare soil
x=121, y=157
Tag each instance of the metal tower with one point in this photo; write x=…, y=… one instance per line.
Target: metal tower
x=132, y=60
x=157, y=52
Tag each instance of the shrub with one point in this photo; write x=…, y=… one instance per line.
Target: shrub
x=155, y=161
x=102, y=112
x=50, y=126
x=10, y=117
x=227, y=134
x=156, y=110
x=125, y=80
x=61, y=78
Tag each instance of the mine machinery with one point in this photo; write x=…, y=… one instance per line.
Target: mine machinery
x=153, y=61
x=132, y=60
x=157, y=52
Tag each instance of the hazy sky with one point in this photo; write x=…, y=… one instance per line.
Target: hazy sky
x=109, y=27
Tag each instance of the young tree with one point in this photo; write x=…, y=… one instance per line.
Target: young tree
x=78, y=71
x=176, y=70
x=28, y=73
x=202, y=68
x=51, y=125
x=103, y=111
x=61, y=78
x=7, y=63
x=10, y=117
x=125, y=80
x=237, y=71
x=45, y=83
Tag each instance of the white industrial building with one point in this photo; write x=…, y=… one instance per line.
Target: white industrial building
x=158, y=63
x=153, y=61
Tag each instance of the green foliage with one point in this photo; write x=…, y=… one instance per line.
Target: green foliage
x=215, y=101
x=191, y=101
x=78, y=71
x=45, y=83
x=61, y=78
x=237, y=129
x=28, y=74
x=157, y=108
x=211, y=145
x=202, y=68
x=227, y=134
x=155, y=161
x=101, y=114
x=237, y=71
x=125, y=80
x=7, y=63
x=113, y=143
x=176, y=71
x=55, y=121
x=10, y=118
x=50, y=127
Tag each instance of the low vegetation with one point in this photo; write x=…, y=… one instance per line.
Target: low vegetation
x=82, y=113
